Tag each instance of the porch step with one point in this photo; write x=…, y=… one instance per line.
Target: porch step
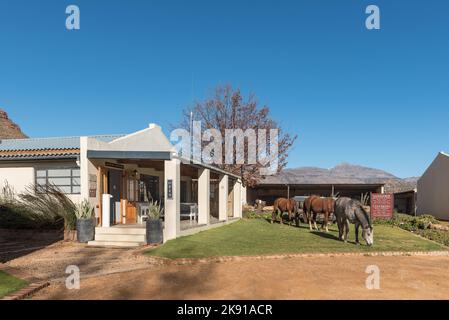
x=120, y=230
x=121, y=244
x=122, y=236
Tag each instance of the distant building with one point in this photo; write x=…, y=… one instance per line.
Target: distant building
x=405, y=201
x=433, y=189
x=344, y=180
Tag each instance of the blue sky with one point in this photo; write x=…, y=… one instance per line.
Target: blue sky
x=376, y=98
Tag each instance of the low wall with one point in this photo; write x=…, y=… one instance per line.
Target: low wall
x=23, y=235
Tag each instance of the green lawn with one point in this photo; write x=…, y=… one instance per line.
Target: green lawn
x=9, y=284
x=259, y=237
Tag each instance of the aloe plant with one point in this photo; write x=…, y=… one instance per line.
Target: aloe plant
x=84, y=210
x=155, y=210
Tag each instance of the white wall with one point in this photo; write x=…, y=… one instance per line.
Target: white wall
x=433, y=189
x=17, y=177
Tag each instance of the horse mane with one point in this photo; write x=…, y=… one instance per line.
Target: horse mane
x=365, y=215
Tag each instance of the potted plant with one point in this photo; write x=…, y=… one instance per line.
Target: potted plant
x=154, y=224
x=85, y=223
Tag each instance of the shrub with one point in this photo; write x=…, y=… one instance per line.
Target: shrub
x=15, y=214
x=255, y=215
x=34, y=210
x=436, y=235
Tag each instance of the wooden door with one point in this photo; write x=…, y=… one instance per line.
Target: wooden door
x=131, y=213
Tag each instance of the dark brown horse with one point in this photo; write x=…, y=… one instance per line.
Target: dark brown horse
x=282, y=205
x=314, y=205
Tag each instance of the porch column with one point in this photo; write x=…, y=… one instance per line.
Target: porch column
x=172, y=194
x=203, y=196
x=238, y=199
x=223, y=198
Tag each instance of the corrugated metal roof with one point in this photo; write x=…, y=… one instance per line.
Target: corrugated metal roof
x=303, y=177
x=50, y=143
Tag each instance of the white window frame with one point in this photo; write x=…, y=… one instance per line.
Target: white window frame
x=71, y=177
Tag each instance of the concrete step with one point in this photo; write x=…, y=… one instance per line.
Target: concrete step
x=120, y=230
x=121, y=244
x=120, y=237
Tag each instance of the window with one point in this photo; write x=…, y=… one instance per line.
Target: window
x=131, y=184
x=149, y=188
x=66, y=179
x=183, y=191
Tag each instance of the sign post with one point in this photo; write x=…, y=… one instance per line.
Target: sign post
x=382, y=205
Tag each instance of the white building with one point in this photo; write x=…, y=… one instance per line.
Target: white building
x=433, y=189
x=131, y=168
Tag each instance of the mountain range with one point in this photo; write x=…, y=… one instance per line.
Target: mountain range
x=8, y=129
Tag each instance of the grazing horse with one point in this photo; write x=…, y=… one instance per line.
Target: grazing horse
x=348, y=211
x=314, y=205
x=282, y=205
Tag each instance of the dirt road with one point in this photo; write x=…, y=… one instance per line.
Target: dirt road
x=415, y=277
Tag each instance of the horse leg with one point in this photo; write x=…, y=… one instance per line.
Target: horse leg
x=357, y=225
x=297, y=219
x=281, y=215
x=314, y=220
x=346, y=230
x=326, y=221
x=309, y=218
x=273, y=216
x=340, y=229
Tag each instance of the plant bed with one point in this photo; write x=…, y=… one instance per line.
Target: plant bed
x=425, y=226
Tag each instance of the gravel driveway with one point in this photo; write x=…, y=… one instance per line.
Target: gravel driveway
x=404, y=277
x=50, y=263
x=127, y=274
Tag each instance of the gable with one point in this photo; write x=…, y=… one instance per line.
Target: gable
x=150, y=139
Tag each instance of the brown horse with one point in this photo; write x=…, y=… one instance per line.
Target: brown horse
x=282, y=205
x=314, y=205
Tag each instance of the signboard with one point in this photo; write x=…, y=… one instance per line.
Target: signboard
x=92, y=185
x=382, y=205
x=114, y=165
x=170, y=189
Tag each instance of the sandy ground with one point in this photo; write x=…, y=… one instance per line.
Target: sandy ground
x=403, y=277
x=127, y=274
x=50, y=263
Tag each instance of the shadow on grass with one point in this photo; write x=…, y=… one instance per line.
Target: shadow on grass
x=325, y=235
x=286, y=223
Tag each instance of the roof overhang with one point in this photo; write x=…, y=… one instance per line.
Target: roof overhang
x=322, y=185
x=41, y=154
x=128, y=155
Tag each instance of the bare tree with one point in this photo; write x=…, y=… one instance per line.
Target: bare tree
x=227, y=109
